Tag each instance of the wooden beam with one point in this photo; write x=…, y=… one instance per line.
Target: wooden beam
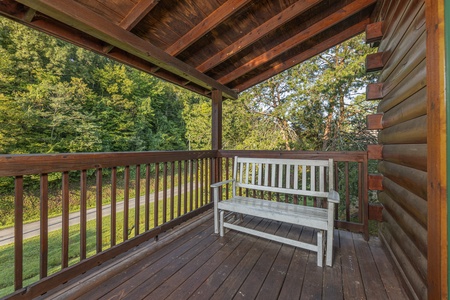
x=376, y=212
x=85, y=20
x=374, y=32
x=374, y=91
x=209, y=23
x=256, y=34
x=375, y=152
x=375, y=182
x=311, y=52
x=437, y=245
x=216, y=136
x=374, y=62
x=302, y=36
x=139, y=11
x=374, y=122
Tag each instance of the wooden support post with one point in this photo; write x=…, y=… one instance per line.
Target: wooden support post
x=375, y=151
x=374, y=91
x=375, y=182
x=374, y=32
x=374, y=62
x=216, y=139
x=374, y=122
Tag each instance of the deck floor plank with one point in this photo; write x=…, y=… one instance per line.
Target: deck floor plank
x=277, y=274
x=371, y=278
x=255, y=279
x=199, y=264
x=332, y=277
x=233, y=282
x=351, y=276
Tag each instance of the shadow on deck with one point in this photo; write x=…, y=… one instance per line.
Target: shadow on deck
x=193, y=262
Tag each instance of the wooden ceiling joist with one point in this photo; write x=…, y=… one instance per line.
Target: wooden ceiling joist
x=85, y=20
x=222, y=13
x=311, y=52
x=256, y=34
x=313, y=30
x=139, y=11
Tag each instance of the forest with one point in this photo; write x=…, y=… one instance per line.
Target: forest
x=58, y=98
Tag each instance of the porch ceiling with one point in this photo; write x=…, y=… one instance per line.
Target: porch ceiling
x=228, y=45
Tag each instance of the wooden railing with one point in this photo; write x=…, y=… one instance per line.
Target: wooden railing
x=158, y=190
x=350, y=181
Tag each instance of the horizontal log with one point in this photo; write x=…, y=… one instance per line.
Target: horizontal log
x=413, y=107
x=375, y=151
x=374, y=122
x=374, y=91
x=17, y=165
x=375, y=182
x=374, y=62
x=409, y=155
x=374, y=32
x=412, y=179
x=410, y=132
x=413, y=278
x=405, y=221
x=415, y=81
x=411, y=203
x=376, y=212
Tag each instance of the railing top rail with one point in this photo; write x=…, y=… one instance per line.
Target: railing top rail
x=28, y=164
x=355, y=156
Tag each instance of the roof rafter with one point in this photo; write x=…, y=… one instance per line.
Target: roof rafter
x=139, y=11
x=205, y=26
x=290, y=62
x=83, y=19
x=256, y=34
x=302, y=36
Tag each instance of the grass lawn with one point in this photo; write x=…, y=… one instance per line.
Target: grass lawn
x=31, y=253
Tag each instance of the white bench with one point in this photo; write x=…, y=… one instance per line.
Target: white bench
x=295, y=177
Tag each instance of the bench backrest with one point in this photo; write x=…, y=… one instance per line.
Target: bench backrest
x=289, y=176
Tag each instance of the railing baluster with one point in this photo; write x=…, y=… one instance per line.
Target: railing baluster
x=43, y=226
x=147, y=197
x=172, y=190
x=202, y=179
x=137, y=200
x=83, y=213
x=156, y=200
x=65, y=220
x=126, y=199
x=164, y=213
x=179, y=189
x=196, y=183
x=191, y=184
x=18, y=232
x=227, y=176
x=347, y=193
x=186, y=164
x=98, y=210
x=113, y=205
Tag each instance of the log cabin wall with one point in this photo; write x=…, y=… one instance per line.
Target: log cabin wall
x=402, y=91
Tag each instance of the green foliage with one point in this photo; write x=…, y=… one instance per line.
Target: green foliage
x=55, y=97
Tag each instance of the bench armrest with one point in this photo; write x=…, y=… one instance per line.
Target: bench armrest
x=333, y=196
x=218, y=184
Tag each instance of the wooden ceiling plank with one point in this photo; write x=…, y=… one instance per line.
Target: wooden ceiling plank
x=289, y=63
x=139, y=11
x=302, y=36
x=83, y=19
x=209, y=23
x=256, y=34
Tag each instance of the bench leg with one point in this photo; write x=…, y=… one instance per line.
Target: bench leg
x=320, y=248
x=330, y=234
x=221, y=222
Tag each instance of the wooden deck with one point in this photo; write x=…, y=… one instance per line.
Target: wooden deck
x=194, y=263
